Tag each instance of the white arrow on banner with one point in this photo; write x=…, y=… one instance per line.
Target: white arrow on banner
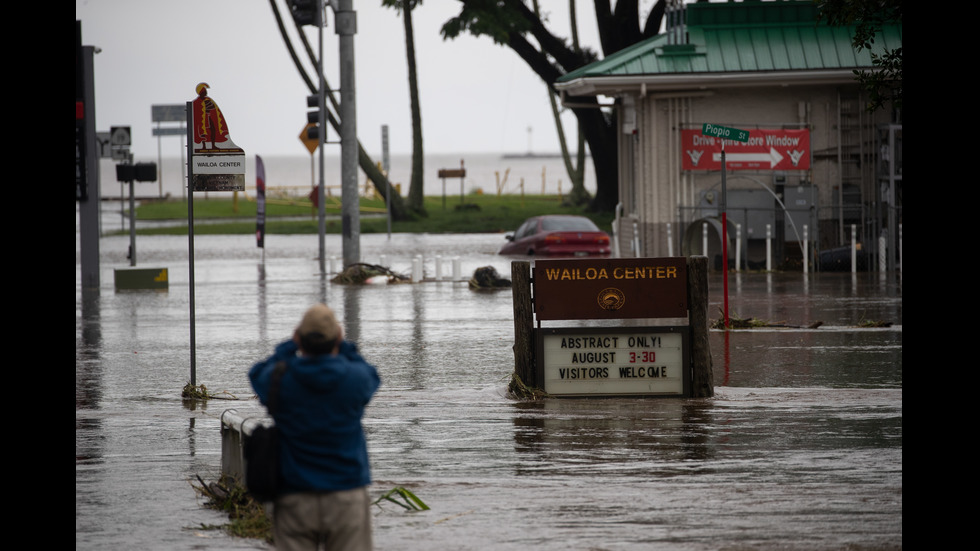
x=773, y=157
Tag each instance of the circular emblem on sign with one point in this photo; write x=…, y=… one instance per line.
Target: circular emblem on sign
x=611, y=298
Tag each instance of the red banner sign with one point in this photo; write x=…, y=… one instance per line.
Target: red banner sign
x=766, y=149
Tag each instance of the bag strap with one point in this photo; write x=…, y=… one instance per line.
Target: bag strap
x=274, y=385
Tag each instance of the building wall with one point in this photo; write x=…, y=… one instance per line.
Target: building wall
x=660, y=197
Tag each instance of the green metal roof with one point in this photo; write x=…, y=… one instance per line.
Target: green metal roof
x=742, y=37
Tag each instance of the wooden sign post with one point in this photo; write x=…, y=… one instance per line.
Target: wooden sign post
x=453, y=173
x=618, y=359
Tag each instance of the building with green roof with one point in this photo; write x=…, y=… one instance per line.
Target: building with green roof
x=816, y=163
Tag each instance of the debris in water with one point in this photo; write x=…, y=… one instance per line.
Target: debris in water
x=735, y=322
x=487, y=278
x=368, y=273
x=874, y=324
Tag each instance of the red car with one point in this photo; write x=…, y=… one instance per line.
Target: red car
x=557, y=235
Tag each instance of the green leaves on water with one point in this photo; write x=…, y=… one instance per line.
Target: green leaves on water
x=403, y=498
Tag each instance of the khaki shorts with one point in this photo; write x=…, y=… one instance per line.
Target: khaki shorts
x=323, y=520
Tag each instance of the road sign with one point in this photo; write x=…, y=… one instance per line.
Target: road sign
x=173, y=131
x=120, y=135
x=766, y=149
x=304, y=137
x=725, y=132
x=168, y=113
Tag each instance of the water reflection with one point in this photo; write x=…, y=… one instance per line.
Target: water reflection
x=649, y=437
x=417, y=349
x=262, y=303
x=88, y=376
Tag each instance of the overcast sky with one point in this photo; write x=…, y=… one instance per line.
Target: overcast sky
x=477, y=97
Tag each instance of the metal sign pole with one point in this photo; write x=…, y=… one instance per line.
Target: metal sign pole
x=190, y=238
x=321, y=104
x=724, y=227
x=723, y=133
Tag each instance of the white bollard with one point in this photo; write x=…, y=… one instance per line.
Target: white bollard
x=854, y=254
x=438, y=268
x=670, y=241
x=768, y=248
x=417, y=269
x=384, y=261
x=704, y=239
x=457, y=269
x=882, y=249
x=738, y=246
x=806, y=250
x=636, y=240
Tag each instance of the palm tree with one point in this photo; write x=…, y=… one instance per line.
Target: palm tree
x=576, y=171
x=416, y=186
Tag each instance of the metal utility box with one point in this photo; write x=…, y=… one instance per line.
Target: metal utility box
x=751, y=208
x=801, y=204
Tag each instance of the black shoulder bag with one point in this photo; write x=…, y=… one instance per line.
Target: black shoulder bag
x=261, y=449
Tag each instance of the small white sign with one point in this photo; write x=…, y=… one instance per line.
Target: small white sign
x=219, y=164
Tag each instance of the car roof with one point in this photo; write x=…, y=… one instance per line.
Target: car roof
x=567, y=222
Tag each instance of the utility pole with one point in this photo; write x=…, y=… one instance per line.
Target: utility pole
x=346, y=23
x=322, y=128
x=88, y=191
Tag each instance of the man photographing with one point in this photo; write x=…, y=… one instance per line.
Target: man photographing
x=323, y=457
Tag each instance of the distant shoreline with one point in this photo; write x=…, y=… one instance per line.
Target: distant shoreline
x=533, y=155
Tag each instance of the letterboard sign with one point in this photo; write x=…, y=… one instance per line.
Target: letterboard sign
x=649, y=361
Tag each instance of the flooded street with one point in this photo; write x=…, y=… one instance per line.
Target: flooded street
x=800, y=448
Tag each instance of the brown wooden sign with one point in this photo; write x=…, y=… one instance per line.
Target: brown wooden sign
x=614, y=288
x=452, y=172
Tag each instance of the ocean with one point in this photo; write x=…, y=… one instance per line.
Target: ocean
x=295, y=175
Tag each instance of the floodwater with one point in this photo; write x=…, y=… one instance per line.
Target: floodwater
x=800, y=448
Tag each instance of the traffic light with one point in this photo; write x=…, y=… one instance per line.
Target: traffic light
x=139, y=172
x=304, y=11
x=313, y=117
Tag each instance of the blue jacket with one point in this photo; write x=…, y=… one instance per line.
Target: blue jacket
x=321, y=402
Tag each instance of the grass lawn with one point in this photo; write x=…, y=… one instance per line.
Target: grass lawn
x=475, y=213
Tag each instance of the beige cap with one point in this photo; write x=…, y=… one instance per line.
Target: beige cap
x=319, y=319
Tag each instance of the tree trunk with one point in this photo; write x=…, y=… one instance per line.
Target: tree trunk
x=378, y=178
x=416, y=191
x=600, y=133
x=380, y=181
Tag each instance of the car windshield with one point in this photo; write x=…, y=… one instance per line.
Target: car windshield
x=570, y=223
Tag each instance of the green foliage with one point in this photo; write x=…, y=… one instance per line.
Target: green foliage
x=496, y=20
x=403, y=498
x=247, y=517
x=885, y=84
x=522, y=391
x=868, y=17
